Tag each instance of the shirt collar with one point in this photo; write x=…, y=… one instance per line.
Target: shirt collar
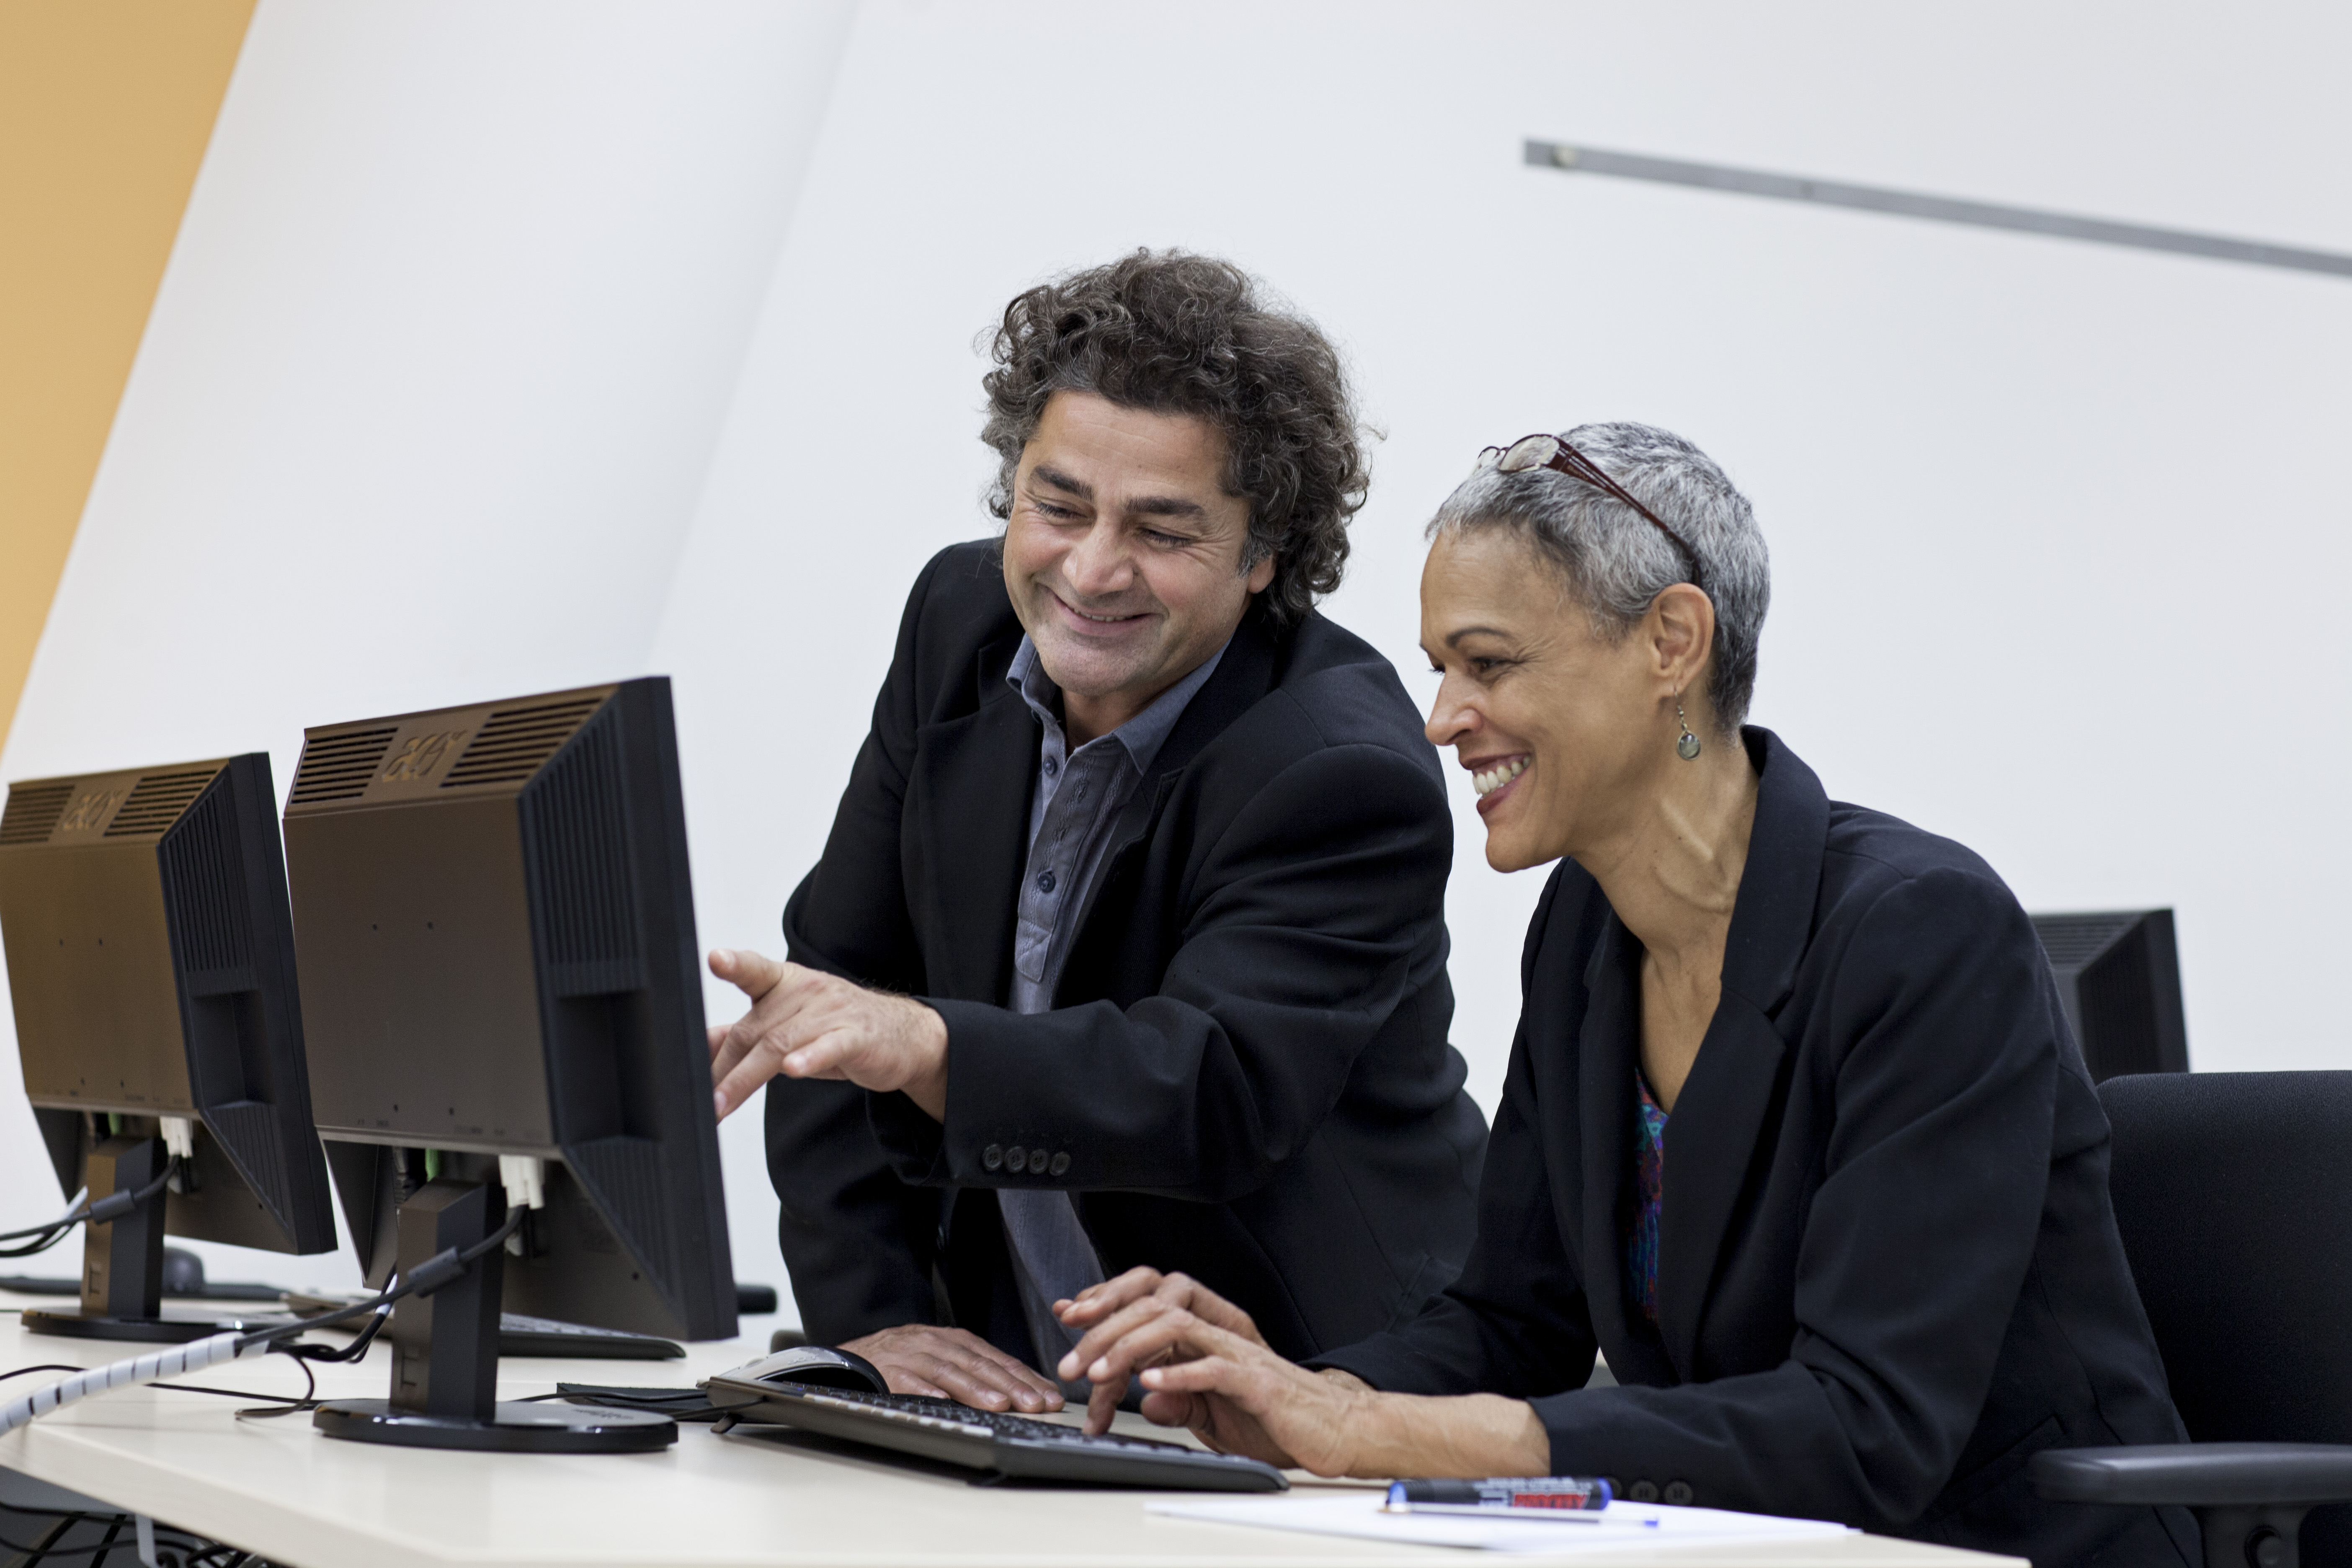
x=1142, y=735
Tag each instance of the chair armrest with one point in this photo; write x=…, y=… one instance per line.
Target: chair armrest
x=2198, y=1475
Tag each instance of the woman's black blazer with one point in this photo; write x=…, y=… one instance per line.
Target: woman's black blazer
x=1888, y=1272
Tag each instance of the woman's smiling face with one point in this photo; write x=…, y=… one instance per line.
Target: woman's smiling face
x=1559, y=727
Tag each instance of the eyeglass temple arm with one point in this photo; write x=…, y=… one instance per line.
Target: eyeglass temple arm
x=1585, y=469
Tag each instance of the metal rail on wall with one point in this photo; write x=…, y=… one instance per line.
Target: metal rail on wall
x=1941, y=209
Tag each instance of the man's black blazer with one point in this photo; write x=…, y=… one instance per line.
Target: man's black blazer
x=1888, y=1272
x=1247, y=1065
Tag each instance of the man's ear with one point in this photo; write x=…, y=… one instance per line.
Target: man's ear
x=1261, y=574
x=1682, y=632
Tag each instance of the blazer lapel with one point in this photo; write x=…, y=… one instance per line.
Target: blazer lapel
x=1734, y=1086
x=1608, y=1048
x=977, y=771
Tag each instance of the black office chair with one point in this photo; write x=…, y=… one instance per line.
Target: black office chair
x=2233, y=1192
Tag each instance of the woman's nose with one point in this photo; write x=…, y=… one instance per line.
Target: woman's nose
x=1450, y=718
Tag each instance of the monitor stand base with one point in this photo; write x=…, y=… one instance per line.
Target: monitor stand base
x=516, y=1427
x=169, y=1329
x=445, y=1353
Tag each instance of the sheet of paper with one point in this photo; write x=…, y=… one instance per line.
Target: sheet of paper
x=1621, y=1525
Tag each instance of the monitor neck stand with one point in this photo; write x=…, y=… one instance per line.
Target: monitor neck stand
x=445, y=1355
x=123, y=1260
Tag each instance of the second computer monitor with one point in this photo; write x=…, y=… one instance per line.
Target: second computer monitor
x=495, y=924
x=2119, y=981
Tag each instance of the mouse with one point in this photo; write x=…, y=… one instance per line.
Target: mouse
x=183, y=1272
x=820, y=1367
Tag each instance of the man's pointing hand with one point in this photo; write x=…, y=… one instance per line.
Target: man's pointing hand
x=807, y=1024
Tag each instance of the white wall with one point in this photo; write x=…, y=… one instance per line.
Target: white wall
x=2042, y=514
x=2036, y=507
x=429, y=391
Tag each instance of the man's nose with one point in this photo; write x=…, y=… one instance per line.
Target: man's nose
x=1099, y=565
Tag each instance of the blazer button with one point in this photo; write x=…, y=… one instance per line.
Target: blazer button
x=1678, y=1493
x=1016, y=1159
x=1061, y=1164
x=1644, y=1491
x=992, y=1157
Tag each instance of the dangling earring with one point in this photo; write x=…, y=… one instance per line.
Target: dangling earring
x=1688, y=747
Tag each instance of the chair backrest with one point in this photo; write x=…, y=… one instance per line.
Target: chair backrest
x=2233, y=1192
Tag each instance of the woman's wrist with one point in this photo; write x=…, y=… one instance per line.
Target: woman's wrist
x=1469, y=1435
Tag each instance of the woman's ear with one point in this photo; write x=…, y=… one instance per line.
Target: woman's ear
x=1681, y=630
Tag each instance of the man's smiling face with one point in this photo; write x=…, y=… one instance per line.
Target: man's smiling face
x=1123, y=555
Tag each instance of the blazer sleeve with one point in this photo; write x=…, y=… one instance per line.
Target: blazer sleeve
x=858, y=1241
x=1313, y=917
x=1917, y=1245
x=1513, y=1321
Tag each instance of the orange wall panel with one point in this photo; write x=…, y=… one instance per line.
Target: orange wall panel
x=105, y=109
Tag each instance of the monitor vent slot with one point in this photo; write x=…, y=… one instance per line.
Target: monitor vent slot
x=515, y=742
x=248, y=1130
x=2073, y=941
x=624, y=1176
x=33, y=811
x=158, y=800
x=338, y=767
x=576, y=822
x=210, y=921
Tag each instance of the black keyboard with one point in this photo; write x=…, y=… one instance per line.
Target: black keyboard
x=1004, y=1445
x=522, y=1336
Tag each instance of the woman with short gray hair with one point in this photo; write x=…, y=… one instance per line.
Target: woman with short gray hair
x=1792, y=1132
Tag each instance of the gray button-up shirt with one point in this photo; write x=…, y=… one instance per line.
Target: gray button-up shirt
x=1078, y=796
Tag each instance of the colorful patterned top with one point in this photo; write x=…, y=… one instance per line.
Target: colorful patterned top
x=1649, y=1195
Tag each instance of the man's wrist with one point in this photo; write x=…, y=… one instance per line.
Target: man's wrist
x=928, y=1087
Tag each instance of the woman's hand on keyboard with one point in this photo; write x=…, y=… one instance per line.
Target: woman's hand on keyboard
x=1136, y=1321
x=953, y=1363
x=1204, y=1365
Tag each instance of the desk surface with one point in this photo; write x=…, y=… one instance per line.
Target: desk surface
x=279, y=1488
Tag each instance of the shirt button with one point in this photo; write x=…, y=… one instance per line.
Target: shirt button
x=992, y=1157
x=1044, y=881
x=1016, y=1160
x=1051, y=767
x=1061, y=1164
x=1643, y=1492
x=1678, y=1493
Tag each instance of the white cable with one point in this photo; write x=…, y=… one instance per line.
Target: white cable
x=524, y=1177
x=179, y=1137
x=170, y=1362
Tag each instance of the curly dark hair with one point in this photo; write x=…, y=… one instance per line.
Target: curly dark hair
x=1171, y=332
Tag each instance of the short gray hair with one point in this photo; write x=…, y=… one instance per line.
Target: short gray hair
x=1617, y=563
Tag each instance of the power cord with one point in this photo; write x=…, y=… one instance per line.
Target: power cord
x=443, y=1268
x=73, y=1217
x=113, y=1206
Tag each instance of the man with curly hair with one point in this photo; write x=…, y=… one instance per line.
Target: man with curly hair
x=1128, y=941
